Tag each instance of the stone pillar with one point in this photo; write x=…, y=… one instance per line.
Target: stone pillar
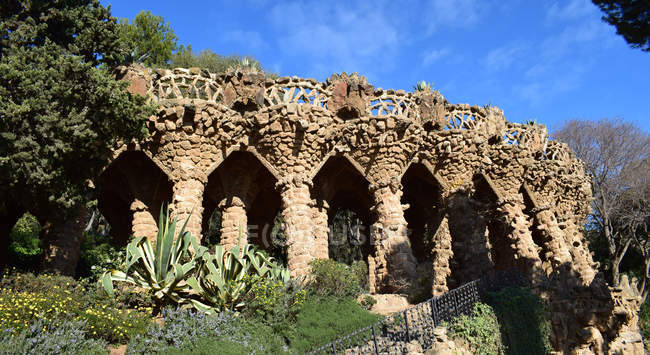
x=234, y=222
x=470, y=239
x=394, y=261
x=143, y=223
x=188, y=203
x=582, y=260
x=63, y=243
x=521, y=239
x=442, y=254
x=557, y=251
x=321, y=229
x=297, y=212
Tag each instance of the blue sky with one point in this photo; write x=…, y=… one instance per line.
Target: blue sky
x=545, y=60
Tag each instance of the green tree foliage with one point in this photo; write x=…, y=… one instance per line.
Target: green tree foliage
x=631, y=19
x=150, y=38
x=185, y=57
x=25, y=245
x=524, y=320
x=347, y=238
x=60, y=107
x=480, y=330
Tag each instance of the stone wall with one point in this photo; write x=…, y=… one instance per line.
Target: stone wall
x=501, y=194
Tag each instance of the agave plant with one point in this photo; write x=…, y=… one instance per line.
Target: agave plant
x=161, y=269
x=423, y=86
x=224, y=278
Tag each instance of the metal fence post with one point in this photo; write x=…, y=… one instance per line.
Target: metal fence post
x=434, y=314
x=374, y=339
x=406, y=322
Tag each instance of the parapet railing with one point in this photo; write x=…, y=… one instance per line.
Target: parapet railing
x=392, y=334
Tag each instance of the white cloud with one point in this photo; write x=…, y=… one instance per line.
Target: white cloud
x=558, y=63
x=435, y=55
x=570, y=10
x=575, y=39
x=503, y=57
x=452, y=13
x=347, y=37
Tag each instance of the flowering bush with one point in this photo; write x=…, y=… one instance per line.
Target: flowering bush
x=44, y=338
x=275, y=303
x=99, y=255
x=60, y=299
x=331, y=278
x=187, y=330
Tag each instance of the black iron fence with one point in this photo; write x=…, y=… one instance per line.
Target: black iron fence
x=393, y=333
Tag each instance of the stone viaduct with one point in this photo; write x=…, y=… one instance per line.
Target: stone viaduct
x=493, y=194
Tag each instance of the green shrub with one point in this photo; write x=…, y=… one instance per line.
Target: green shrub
x=644, y=320
x=346, y=240
x=322, y=320
x=26, y=299
x=480, y=330
x=524, y=320
x=29, y=282
x=25, y=246
x=189, y=331
x=274, y=303
x=44, y=338
x=331, y=278
x=99, y=255
x=208, y=345
x=368, y=301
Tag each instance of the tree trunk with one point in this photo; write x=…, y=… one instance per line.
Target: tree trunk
x=616, y=261
x=63, y=243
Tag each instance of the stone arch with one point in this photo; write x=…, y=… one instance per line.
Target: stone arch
x=538, y=236
x=338, y=185
x=132, y=190
x=509, y=229
x=472, y=231
x=242, y=189
x=422, y=192
x=425, y=219
x=502, y=253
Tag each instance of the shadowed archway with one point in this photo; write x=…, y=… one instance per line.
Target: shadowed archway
x=241, y=192
x=343, y=191
x=132, y=190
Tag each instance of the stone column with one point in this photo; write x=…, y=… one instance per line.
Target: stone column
x=188, y=201
x=234, y=222
x=442, y=254
x=583, y=262
x=394, y=261
x=469, y=230
x=554, y=242
x=143, y=223
x=297, y=212
x=321, y=229
x=521, y=238
x=240, y=189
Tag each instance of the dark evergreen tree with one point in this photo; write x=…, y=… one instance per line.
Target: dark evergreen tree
x=631, y=18
x=61, y=110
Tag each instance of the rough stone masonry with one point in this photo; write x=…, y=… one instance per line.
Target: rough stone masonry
x=493, y=194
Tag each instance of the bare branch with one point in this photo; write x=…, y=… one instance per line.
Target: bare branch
x=616, y=154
